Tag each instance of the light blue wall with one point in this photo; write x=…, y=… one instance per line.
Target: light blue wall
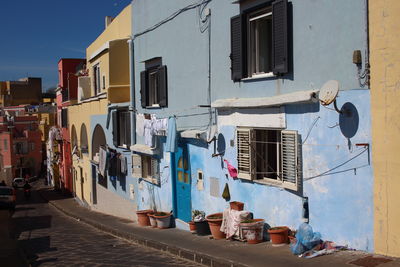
x=325, y=33
x=121, y=186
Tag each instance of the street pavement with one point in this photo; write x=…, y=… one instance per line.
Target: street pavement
x=64, y=233
x=50, y=238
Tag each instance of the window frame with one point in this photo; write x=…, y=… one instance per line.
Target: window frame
x=96, y=79
x=154, y=84
x=119, y=127
x=288, y=163
x=146, y=167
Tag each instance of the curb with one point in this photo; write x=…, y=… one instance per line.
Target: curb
x=190, y=255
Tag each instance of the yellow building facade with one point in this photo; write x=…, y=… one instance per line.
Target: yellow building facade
x=107, y=82
x=385, y=94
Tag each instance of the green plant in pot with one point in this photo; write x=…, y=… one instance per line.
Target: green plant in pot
x=215, y=222
x=200, y=223
x=252, y=230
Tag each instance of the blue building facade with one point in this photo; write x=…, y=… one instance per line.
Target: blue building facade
x=242, y=79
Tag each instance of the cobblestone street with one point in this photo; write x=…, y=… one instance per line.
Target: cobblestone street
x=50, y=238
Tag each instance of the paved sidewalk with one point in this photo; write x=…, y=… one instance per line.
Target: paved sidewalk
x=199, y=248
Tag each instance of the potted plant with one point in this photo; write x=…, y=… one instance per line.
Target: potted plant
x=163, y=219
x=192, y=225
x=215, y=221
x=153, y=221
x=252, y=230
x=200, y=223
x=279, y=234
x=143, y=218
x=236, y=205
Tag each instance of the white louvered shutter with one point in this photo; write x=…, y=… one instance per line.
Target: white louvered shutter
x=155, y=172
x=245, y=154
x=137, y=166
x=289, y=155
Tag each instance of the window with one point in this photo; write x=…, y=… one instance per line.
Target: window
x=145, y=167
x=32, y=146
x=153, y=84
x=121, y=128
x=64, y=118
x=5, y=145
x=268, y=155
x=21, y=148
x=259, y=41
x=96, y=80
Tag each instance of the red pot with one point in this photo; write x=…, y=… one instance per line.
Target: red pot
x=143, y=219
x=236, y=205
x=279, y=235
x=215, y=226
x=192, y=227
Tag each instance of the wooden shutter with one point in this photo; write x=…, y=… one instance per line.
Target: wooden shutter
x=236, y=48
x=245, y=154
x=155, y=172
x=143, y=88
x=127, y=128
x=280, y=60
x=162, y=86
x=115, y=127
x=289, y=159
x=137, y=166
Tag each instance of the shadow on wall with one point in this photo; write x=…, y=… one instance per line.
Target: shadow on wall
x=349, y=121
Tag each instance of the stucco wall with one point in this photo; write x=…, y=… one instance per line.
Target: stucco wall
x=78, y=115
x=385, y=84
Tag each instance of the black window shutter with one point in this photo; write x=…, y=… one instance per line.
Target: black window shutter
x=280, y=37
x=143, y=88
x=128, y=128
x=236, y=48
x=115, y=127
x=162, y=86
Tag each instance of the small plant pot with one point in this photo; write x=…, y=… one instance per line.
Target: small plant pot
x=236, y=205
x=153, y=221
x=279, y=235
x=202, y=228
x=192, y=227
x=253, y=230
x=163, y=219
x=215, y=221
x=143, y=219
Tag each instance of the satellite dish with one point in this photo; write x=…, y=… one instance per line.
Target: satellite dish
x=328, y=92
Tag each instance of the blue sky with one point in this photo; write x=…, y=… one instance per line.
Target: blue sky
x=35, y=34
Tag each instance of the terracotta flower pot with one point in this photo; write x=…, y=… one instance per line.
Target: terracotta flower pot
x=153, y=221
x=279, y=235
x=236, y=205
x=163, y=219
x=143, y=219
x=215, y=221
x=192, y=227
x=253, y=230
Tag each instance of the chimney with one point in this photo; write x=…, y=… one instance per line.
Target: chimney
x=108, y=20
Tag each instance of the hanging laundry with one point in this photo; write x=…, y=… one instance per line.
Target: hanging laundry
x=113, y=164
x=232, y=170
x=123, y=165
x=153, y=127
x=148, y=133
x=170, y=146
x=102, y=161
x=140, y=124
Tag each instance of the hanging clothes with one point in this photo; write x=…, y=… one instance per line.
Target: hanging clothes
x=140, y=124
x=170, y=146
x=123, y=165
x=148, y=133
x=153, y=127
x=232, y=170
x=102, y=161
x=113, y=164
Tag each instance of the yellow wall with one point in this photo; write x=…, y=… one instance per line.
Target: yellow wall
x=119, y=28
x=385, y=96
x=78, y=115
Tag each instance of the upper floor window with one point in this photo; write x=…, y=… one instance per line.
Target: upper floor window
x=259, y=41
x=121, y=128
x=153, y=84
x=97, y=79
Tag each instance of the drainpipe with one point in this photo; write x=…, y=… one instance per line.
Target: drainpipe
x=132, y=105
x=367, y=65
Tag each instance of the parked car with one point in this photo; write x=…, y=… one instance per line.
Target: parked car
x=18, y=182
x=7, y=197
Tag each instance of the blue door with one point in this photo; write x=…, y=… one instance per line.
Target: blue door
x=182, y=184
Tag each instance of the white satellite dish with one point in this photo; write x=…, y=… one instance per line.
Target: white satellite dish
x=328, y=92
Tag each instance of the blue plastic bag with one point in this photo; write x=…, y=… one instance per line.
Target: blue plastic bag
x=306, y=239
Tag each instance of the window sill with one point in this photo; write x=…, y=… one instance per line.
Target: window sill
x=144, y=149
x=259, y=76
x=155, y=106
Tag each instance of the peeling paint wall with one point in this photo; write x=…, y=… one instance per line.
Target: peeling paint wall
x=385, y=93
